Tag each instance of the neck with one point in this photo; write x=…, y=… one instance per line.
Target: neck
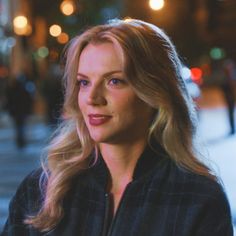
x=121, y=161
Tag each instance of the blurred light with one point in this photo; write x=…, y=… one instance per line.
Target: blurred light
x=21, y=25
x=36, y=56
x=196, y=75
x=43, y=52
x=217, y=53
x=30, y=87
x=67, y=7
x=3, y=72
x=20, y=22
x=63, y=38
x=53, y=55
x=23, y=31
x=185, y=72
x=11, y=42
x=55, y=30
x=156, y=4
x=193, y=90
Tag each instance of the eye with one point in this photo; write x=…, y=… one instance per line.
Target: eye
x=82, y=82
x=116, y=81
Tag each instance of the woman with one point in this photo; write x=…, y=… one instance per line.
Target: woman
x=123, y=162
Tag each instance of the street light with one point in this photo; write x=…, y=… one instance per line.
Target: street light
x=156, y=4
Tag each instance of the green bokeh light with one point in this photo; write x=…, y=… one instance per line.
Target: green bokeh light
x=43, y=52
x=217, y=53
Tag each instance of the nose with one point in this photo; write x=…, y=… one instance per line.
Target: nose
x=96, y=96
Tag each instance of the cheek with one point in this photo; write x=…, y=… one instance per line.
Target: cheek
x=133, y=103
x=122, y=104
x=141, y=110
x=81, y=102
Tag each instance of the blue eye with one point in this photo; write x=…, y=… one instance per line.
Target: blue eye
x=82, y=83
x=115, y=81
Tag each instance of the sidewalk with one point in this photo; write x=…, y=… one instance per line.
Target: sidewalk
x=220, y=149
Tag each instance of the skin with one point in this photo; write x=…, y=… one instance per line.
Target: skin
x=120, y=130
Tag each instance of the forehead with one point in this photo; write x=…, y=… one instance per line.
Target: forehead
x=101, y=55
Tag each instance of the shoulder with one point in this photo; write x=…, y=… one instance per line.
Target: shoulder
x=29, y=194
x=203, y=199
x=209, y=198
x=26, y=202
x=31, y=181
x=194, y=188
x=199, y=185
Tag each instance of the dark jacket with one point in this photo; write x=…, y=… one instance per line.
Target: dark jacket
x=162, y=200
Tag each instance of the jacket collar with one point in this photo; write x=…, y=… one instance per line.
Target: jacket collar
x=147, y=162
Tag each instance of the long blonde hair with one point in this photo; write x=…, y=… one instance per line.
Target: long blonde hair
x=152, y=67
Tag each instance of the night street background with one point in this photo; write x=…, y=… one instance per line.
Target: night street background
x=33, y=35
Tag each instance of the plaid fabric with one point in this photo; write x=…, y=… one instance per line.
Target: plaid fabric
x=162, y=200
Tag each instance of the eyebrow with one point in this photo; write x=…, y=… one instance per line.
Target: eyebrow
x=106, y=74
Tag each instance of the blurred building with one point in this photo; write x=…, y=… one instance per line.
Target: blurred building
x=195, y=26
x=216, y=23
x=34, y=32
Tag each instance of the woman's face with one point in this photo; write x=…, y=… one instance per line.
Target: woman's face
x=111, y=110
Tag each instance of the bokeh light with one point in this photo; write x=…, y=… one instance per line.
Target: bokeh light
x=217, y=53
x=55, y=30
x=21, y=25
x=63, y=38
x=156, y=4
x=20, y=22
x=196, y=74
x=185, y=72
x=43, y=52
x=67, y=7
x=53, y=55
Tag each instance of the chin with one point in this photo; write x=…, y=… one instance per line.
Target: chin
x=98, y=138
x=102, y=139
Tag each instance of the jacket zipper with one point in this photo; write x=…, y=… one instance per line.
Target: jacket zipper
x=107, y=219
x=113, y=222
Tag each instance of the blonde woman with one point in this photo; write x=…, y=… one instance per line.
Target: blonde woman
x=123, y=162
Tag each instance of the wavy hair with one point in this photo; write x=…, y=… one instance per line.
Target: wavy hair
x=153, y=69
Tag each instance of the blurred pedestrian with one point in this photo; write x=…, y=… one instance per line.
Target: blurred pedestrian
x=19, y=105
x=124, y=161
x=51, y=89
x=3, y=86
x=222, y=74
x=228, y=90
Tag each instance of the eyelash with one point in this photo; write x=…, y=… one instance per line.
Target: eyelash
x=120, y=81
x=112, y=81
x=80, y=82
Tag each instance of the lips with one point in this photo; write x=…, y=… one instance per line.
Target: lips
x=98, y=119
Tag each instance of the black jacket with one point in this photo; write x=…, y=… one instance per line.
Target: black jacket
x=162, y=200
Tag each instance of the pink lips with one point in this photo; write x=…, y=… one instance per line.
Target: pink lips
x=98, y=119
